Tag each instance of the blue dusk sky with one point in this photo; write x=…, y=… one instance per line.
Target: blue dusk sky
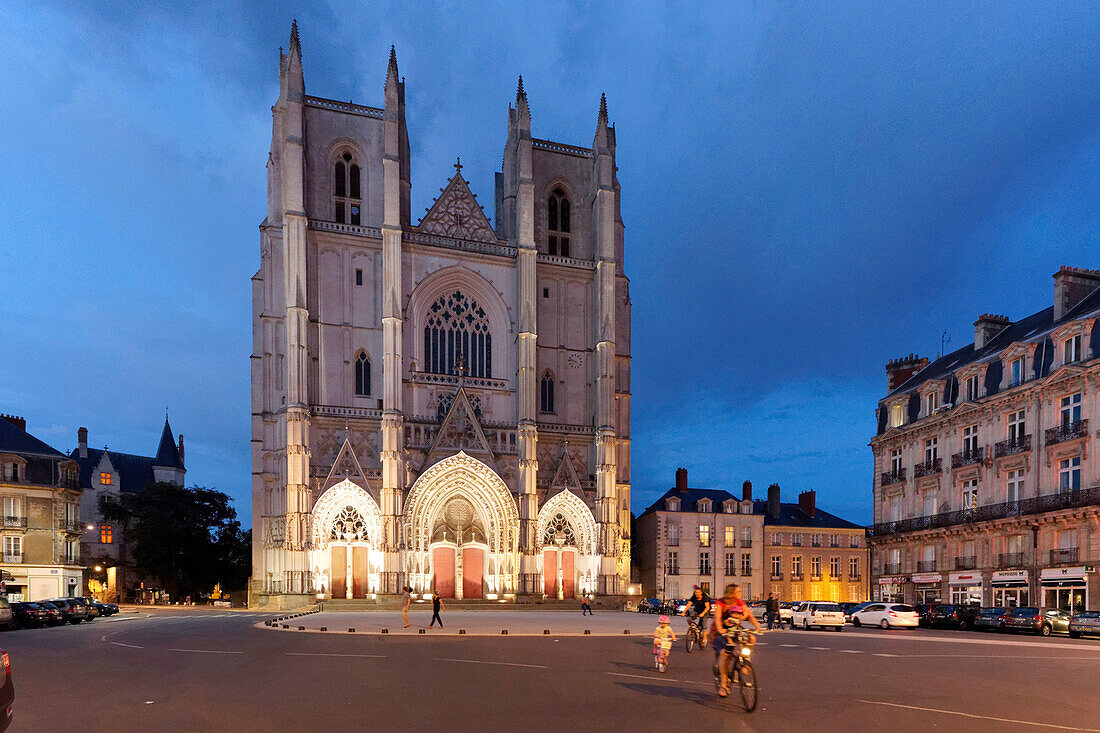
x=809, y=190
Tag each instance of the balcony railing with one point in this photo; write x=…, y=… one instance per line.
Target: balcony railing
x=1068, y=431
x=891, y=568
x=796, y=541
x=13, y=557
x=796, y=576
x=927, y=468
x=1063, y=555
x=815, y=543
x=968, y=457
x=674, y=570
x=15, y=522
x=1034, y=505
x=777, y=576
x=746, y=543
x=853, y=576
x=1010, y=559
x=70, y=525
x=893, y=477
x=1012, y=446
x=926, y=566
x=966, y=563
x=68, y=559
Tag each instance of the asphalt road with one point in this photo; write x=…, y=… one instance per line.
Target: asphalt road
x=203, y=671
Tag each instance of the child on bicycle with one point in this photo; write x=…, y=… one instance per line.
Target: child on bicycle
x=731, y=611
x=663, y=636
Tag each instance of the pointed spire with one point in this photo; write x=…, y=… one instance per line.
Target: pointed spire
x=391, y=70
x=601, y=120
x=520, y=93
x=295, y=41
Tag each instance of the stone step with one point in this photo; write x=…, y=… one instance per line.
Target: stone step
x=390, y=603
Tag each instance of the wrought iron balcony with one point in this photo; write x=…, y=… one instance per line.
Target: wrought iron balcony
x=891, y=568
x=16, y=557
x=927, y=468
x=893, y=477
x=1063, y=556
x=926, y=566
x=777, y=576
x=1067, y=431
x=1010, y=559
x=966, y=563
x=68, y=559
x=968, y=457
x=70, y=525
x=853, y=576
x=746, y=543
x=15, y=522
x=1012, y=446
x=796, y=576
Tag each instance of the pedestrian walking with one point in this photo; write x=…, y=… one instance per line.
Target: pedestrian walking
x=772, y=607
x=405, y=609
x=586, y=605
x=437, y=606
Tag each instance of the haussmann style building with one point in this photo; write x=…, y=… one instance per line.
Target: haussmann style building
x=987, y=489
x=443, y=403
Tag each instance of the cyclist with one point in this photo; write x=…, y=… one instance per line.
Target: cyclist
x=663, y=636
x=698, y=606
x=730, y=612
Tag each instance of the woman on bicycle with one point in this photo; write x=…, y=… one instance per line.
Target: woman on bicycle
x=730, y=611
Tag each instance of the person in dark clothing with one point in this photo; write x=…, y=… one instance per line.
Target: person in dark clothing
x=437, y=606
x=772, y=608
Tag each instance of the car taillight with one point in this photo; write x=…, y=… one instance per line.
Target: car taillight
x=813, y=611
x=893, y=614
x=7, y=664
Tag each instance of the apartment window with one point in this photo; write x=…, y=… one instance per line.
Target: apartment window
x=796, y=539
x=777, y=539
x=853, y=541
x=931, y=449
x=13, y=506
x=674, y=534
x=1014, y=485
x=673, y=563
x=970, y=439
x=834, y=567
x=1017, y=371
x=704, y=563
x=1016, y=426
x=1071, y=349
x=796, y=592
x=1069, y=474
x=777, y=566
x=104, y=478
x=796, y=566
x=673, y=590
x=972, y=389
x=731, y=563
x=72, y=552
x=746, y=563
x=895, y=460
x=928, y=558
x=894, y=561
x=13, y=545
x=815, y=566
x=853, y=567
x=11, y=471
x=746, y=536
x=897, y=416
x=1071, y=409
x=815, y=540
x=969, y=490
x=834, y=540
x=704, y=535
x=106, y=534
x=731, y=536
x=893, y=507
x=929, y=503
x=358, y=277
x=931, y=402
x=1067, y=539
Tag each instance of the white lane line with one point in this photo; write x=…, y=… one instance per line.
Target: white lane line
x=130, y=646
x=642, y=677
x=956, y=638
x=819, y=648
x=850, y=651
x=992, y=656
x=203, y=651
x=790, y=646
x=977, y=717
x=505, y=664
x=320, y=654
x=887, y=655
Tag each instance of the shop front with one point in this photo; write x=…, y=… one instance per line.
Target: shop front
x=927, y=587
x=965, y=587
x=891, y=588
x=1065, y=588
x=1010, y=588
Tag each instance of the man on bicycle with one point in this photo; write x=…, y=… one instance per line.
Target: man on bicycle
x=730, y=613
x=698, y=606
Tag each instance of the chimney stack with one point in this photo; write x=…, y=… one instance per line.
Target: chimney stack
x=82, y=441
x=746, y=491
x=681, y=479
x=773, y=502
x=1071, y=285
x=18, y=422
x=899, y=370
x=987, y=326
x=807, y=501
x=181, y=449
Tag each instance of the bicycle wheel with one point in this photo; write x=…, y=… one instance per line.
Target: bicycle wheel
x=689, y=640
x=747, y=681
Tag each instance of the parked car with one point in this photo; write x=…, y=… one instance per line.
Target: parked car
x=677, y=607
x=854, y=607
x=951, y=615
x=1042, y=621
x=32, y=615
x=649, y=605
x=817, y=613
x=71, y=611
x=7, y=693
x=1084, y=622
x=90, y=611
x=924, y=612
x=6, y=618
x=785, y=611
x=105, y=609
x=886, y=616
x=991, y=618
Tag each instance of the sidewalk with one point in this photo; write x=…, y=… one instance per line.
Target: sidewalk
x=476, y=623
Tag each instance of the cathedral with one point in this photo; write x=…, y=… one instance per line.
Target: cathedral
x=442, y=403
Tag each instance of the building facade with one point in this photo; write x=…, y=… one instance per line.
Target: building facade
x=985, y=488
x=41, y=521
x=443, y=403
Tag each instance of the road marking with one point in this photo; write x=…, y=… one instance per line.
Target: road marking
x=978, y=717
x=790, y=646
x=819, y=648
x=506, y=664
x=850, y=651
x=130, y=646
x=321, y=654
x=203, y=651
x=642, y=677
x=887, y=655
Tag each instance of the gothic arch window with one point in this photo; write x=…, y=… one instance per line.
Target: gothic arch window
x=557, y=223
x=349, y=524
x=456, y=332
x=362, y=375
x=559, y=528
x=546, y=393
x=346, y=190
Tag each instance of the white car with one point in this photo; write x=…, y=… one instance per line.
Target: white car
x=817, y=613
x=887, y=616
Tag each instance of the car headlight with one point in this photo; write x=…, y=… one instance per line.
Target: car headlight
x=745, y=651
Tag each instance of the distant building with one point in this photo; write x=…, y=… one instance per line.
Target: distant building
x=41, y=521
x=709, y=538
x=985, y=487
x=107, y=473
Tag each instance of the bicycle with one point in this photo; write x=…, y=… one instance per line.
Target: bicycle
x=739, y=645
x=696, y=636
x=660, y=657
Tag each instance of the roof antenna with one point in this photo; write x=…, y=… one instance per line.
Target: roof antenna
x=944, y=341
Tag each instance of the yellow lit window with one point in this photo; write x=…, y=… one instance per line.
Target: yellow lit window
x=104, y=478
x=106, y=534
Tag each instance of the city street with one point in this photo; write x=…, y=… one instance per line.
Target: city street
x=185, y=670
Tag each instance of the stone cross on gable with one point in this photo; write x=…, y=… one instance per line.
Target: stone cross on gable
x=458, y=165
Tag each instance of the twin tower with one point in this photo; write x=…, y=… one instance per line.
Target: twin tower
x=443, y=404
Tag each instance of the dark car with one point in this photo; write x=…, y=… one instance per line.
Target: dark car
x=1042, y=621
x=952, y=616
x=90, y=611
x=7, y=693
x=850, y=608
x=71, y=612
x=924, y=612
x=991, y=618
x=33, y=615
x=649, y=605
x=105, y=609
x=1084, y=622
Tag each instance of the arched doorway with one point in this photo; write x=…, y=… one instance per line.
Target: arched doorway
x=567, y=539
x=345, y=558
x=462, y=531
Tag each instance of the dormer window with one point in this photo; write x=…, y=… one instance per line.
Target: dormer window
x=897, y=415
x=104, y=478
x=1071, y=349
x=1016, y=372
x=972, y=389
x=705, y=506
x=931, y=402
x=672, y=505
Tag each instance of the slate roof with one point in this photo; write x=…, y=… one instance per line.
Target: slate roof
x=790, y=515
x=134, y=472
x=168, y=454
x=15, y=440
x=689, y=499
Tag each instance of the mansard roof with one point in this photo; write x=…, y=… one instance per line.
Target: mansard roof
x=791, y=515
x=690, y=498
x=18, y=441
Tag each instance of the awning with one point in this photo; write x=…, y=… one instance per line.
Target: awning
x=1062, y=582
x=1009, y=583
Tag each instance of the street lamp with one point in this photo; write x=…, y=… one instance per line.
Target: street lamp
x=99, y=568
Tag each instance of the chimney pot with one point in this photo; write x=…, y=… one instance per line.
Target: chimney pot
x=807, y=501
x=773, y=502
x=82, y=441
x=681, y=479
x=899, y=370
x=17, y=421
x=181, y=448
x=746, y=491
x=1071, y=285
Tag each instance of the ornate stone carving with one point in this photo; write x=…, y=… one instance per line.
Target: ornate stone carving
x=457, y=214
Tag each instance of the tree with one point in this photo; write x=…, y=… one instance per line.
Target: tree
x=188, y=539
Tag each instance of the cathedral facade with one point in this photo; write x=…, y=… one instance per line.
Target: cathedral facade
x=443, y=404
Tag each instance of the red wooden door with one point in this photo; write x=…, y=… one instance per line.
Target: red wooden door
x=473, y=568
x=567, y=577
x=359, y=572
x=550, y=573
x=443, y=567
x=338, y=573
